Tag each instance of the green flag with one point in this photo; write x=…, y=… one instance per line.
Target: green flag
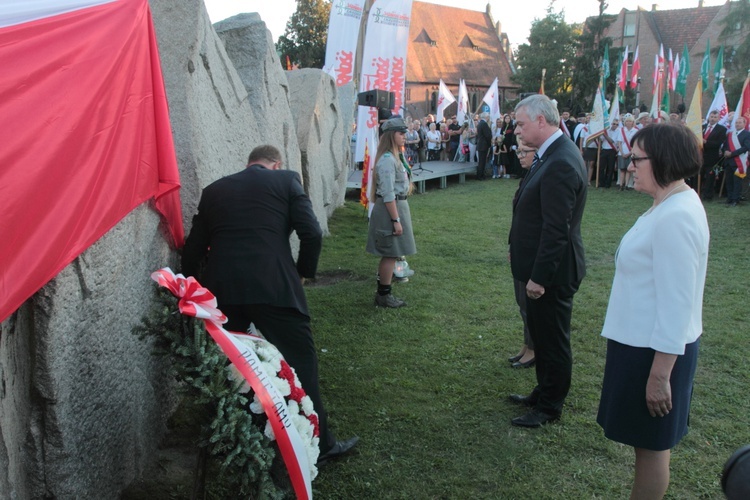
x=665, y=102
x=718, y=67
x=684, y=72
x=605, y=63
x=706, y=65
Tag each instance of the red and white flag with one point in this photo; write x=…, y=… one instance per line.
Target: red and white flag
x=743, y=109
x=623, y=76
x=85, y=130
x=719, y=104
x=341, y=45
x=656, y=71
x=670, y=72
x=675, y=73
x=491, y=98
x=636, y=69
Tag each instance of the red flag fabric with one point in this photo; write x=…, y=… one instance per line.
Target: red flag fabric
x=623, y=79
x=86, y=138
x=636, y=69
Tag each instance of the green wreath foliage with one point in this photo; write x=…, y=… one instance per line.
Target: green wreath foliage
x=242, y=460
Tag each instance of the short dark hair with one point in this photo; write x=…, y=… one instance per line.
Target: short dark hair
x=673, y=150
x=265, y=152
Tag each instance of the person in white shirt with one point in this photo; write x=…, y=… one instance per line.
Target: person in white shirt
x=654, y=318
x=626, y=136
x=434, y=141
x=608, y=154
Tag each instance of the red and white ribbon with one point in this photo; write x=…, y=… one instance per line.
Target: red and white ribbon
x=199, y=302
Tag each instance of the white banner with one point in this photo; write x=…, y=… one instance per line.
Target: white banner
x=341, y=47
x=491, y=98
x=383, y=60
x=463, y=103
x=445, y=99
x=17, y=12
x=720, y=104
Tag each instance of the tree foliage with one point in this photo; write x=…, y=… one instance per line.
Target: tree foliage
x=588, y=61
x=551, y=47
x=306, y=33
x=735, y=35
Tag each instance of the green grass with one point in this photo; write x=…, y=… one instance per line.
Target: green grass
x=425, y=386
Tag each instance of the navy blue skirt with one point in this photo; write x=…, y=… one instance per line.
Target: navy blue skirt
x=623, y=413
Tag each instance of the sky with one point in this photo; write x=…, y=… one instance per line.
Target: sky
x=516, y=22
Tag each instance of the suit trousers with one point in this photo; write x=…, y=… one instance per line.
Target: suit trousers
x=482, y=163
x=549, y=324
x=289, y=331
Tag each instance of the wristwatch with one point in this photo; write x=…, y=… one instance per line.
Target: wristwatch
x=397, y=219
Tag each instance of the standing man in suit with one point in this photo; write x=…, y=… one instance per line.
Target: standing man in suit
x=484, y=142
x=714, y=135
x=242, y=229
x=736, y=151
x=546, y=253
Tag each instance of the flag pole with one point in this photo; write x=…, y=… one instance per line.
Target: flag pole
x=598, y=153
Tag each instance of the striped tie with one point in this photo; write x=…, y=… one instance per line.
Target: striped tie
x=535, y=162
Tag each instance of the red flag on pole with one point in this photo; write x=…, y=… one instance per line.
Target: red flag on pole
x=624, y=71
x=636, y=69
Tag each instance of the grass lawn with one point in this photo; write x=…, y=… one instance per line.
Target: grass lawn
x=425, y=386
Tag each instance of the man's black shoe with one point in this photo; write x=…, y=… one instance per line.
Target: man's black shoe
x=520, y=399
x=533, y=419
x=339, y=449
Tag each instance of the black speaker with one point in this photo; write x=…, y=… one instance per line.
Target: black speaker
x=377, y=99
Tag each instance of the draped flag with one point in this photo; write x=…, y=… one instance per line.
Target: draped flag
x=657, y=65
x=719, y=104
x=706, y=65
x=383, y=61
x=366, y=196
x=444, y=99
x=605, y=63
x=622, y=79
x=742, y=110
x=655, y=102
x=675, y=72
x=719, y=69
x=694, y=120
x=86, y=134
x=341, y=46
x=463, y=102
x=683, y=72
x=670, y=72
x=491, y=98
x=635, y=70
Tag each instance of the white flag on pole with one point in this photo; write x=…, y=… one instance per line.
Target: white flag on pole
x=463, y=102
x=444, y=99
x=491, y=98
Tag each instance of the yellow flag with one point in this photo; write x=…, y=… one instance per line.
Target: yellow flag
x=694, y=119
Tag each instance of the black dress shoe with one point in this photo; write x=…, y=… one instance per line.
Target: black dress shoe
x=533, y=419
x=339, y=449
x=515, y=358
x=526, y=364
x=520, y=399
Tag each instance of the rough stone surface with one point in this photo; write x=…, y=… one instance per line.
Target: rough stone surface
x=321, y=135
x=83, y=404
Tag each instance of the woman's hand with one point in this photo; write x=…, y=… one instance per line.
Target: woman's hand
x=658, y=395
x=398, y=230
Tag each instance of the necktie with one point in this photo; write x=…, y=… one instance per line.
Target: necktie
x=708, y=131
x=534, y=163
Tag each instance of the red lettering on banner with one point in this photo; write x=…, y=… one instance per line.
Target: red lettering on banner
x=345, y=68
x=397, y=81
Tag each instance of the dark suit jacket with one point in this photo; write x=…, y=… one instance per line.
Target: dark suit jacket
x=484, y=136
x=545, y=234
x=243, y=226
x=711, y=153
x=744, y=139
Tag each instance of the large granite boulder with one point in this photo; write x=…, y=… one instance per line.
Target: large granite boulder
x=321, y=135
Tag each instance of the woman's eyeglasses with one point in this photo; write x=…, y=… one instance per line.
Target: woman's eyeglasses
x=636, y=159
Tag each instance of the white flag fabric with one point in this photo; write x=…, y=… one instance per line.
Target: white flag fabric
x=655, y=102
x=444, y=99
x=341, y=47
x=463, y=102
x=383, y=60
x=596, y=121
x=17, y=12
x=720, y=104
x=614, y=111
x=491, y=98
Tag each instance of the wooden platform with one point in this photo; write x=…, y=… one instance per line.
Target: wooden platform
x=430, y=170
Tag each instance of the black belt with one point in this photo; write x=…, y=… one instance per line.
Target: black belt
x=399, y=197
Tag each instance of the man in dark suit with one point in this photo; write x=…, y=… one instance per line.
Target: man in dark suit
x=714, y=135
x=484, y=142
x=546, y=252
x=736, y=150
x=242, y=229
